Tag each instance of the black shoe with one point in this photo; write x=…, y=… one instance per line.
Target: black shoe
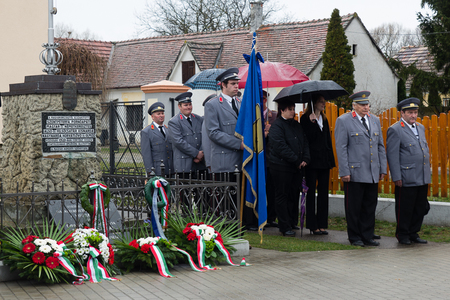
x=295, y=227
x=324, y=232
x=371, y=243
x=358, y=243
x=289, y=233
x=315, y=232
x=376, y=237
x=418, y=240
x=405, y=242
x=252, y=228
x=272, y=224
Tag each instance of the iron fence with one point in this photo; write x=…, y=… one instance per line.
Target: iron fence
x=128, y=207
x=120, y=150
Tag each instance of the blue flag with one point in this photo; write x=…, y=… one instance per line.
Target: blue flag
x=250, y=129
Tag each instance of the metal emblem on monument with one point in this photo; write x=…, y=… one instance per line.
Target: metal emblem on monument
x=69, y=98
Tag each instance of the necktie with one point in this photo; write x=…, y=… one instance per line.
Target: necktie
x=189, y=120
x=162, y=131
x=233, y=105
x=416, y=133
x=363, y=120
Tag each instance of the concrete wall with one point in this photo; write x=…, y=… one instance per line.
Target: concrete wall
x=439, y=214
x=24, y=26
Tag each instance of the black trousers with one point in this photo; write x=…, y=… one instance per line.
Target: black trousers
x=360, y=206
x=411, y=206
x=287, y=191
x=317, y=219
x=271, y=202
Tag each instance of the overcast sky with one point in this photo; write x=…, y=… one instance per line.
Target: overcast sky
x=115, y=20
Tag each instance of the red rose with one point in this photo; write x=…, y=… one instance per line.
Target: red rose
x=191, y=236
x=38, y=258
x=187, y=230
x=201, y=223
x=28, y=248
x=134, y=244
x=190, y=224
x=52, y=262
x=145, y=248
x=111, y=260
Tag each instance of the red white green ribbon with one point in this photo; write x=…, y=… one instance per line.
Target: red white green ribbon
x=224, y=251
x=201, y=250
x=159, y=190
x=160, y=261
x=66, y=264
x=191, y=261
x=95, y=269
x=98, y=218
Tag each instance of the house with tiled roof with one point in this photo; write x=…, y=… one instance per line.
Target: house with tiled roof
x=423, y=60
x=136, y=63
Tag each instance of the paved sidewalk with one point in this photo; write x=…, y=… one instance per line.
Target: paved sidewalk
x=416, y=272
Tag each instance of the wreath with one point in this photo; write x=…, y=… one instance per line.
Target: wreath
x=84, y=197
x=149, y=189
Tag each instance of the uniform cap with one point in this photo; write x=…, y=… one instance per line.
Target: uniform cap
x=157, y=106
x=360, y=97
x=184, y=97
x=229, y=74
x=410, y=103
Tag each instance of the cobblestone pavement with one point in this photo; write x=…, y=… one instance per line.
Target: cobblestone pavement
x=415, y=272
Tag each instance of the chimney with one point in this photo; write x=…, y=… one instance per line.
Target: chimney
x=256, y=15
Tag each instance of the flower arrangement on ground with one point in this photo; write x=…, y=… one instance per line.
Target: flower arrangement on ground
x=95, y=252
x=41, y=255
x=140, y=250
x=208, y=239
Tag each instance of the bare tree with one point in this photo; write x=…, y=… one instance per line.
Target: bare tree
x=392, y=36
x=63, y=30
x=172, y=17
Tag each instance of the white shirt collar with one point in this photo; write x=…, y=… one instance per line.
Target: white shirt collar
x=365, y=117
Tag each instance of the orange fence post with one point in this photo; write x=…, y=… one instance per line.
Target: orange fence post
x=434, y=156
x=443, y=153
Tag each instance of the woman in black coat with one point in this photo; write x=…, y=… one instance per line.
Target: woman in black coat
x=317, y=130
x=289, y=154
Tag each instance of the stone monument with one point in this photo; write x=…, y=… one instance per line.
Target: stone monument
x=51, y=128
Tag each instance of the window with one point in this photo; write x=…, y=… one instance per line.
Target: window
x=187, y=70
x=354, y=49
x=446, y=102
x=135, y=117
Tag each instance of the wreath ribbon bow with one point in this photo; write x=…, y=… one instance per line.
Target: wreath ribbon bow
x=98, y=217
x=95, y=269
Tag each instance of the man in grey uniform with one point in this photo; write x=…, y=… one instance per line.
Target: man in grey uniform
x=221, y=115
x=362, y=163
x=155, y=142
x=186, y=136
x=409, y=163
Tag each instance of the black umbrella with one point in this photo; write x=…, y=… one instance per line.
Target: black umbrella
x=302, y=92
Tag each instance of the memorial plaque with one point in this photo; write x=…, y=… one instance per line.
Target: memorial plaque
x=68, y=132
x=70, y=214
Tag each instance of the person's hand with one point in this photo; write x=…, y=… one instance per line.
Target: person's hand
x=382, y=176
x=302, y=165
x=313, y=118
x=242, y=145
x=196, y=160
x=266, y=129
x=200, y=155
x=346, y=178
x=398, y=183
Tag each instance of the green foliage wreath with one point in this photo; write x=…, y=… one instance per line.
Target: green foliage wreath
x=84, y=197
x=149, y=192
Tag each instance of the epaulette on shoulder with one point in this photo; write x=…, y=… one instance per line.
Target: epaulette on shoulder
x=393, y=124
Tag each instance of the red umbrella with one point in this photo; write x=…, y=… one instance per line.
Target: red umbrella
x=274, y=74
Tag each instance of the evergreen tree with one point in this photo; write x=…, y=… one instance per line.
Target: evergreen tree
x=337, y=59
x=401, y=90
x=435, y=28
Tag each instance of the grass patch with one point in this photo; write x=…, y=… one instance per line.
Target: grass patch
x=281, y=243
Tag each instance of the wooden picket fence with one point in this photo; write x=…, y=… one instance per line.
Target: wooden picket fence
x=438, y=138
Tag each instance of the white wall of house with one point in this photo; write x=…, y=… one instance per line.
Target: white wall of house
x=372, y=73
x=24, y=26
